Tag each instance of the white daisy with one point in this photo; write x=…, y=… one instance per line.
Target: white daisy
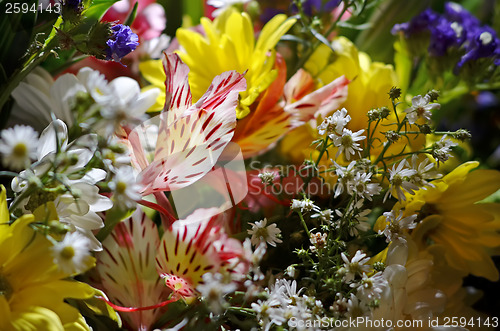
x=420, y=108
x=441, y=150
x=396, y=226
x=18, y=145
x=254, y=257
x=346, y=175
x=304, y=205
x=125, y=188
x=362, y=186
x=356, y=308
x=213, y=289
x=324, y=215
x=355, y=266
x=267, y=177
x=333, y=125
x=357, y=217
x=400, y=180
x=262, y=233
x=424, y=170
x=347, y=142
x=371, y=288
x=72, y=254
x=269, y=313
x=38, y=97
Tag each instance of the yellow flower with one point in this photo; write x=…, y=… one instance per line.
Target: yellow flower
x=228, y=44
x=32, y=287
x=450, y=216
x=369, y=87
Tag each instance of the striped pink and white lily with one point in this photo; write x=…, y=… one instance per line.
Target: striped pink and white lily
x=190, y=137
x=134, y=260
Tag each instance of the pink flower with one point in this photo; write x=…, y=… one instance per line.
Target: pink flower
x=189, y=138
x=149, y=22
x=194, y=246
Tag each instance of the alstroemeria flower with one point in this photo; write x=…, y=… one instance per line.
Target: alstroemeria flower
x=284, y=106
x=191, y=137
x=129, y=252
x=193, y=247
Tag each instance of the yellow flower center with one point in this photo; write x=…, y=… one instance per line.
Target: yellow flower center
x=121, y=187
x=20, y=150
x=261, y=232
x=68, y=252
x=347, y=141
x=397, y=180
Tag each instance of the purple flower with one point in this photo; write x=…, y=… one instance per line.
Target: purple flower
x=456, y=13
x=444, y=34
x=456, y=30
x=311, y=7
x=75, y=4
x=122, y=42
x=419, y=23
x=483, y=43
x=269, y=13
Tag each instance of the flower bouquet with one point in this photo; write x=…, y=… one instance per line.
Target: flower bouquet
x=225, y=165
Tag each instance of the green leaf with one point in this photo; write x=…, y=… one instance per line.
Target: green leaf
x=98, y=313
x=347, y=25
x=289, y=37
x=113, y=217
x=98, y=8
x=174, y=314
x=322, y=38
x=131, y=17
x=53, y=33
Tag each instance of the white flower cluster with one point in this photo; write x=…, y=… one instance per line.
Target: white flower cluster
x=262, y=233
x=305, y=205
x=285, y=302
x=355, y=181
x=213, y=289
x=410, y=179
x=343, y=138
x=421, y=107
x=78, y=206
x=119, y=102
x=441, y=150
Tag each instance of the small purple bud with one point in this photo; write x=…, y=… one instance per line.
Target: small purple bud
x=122, y=42
x=75, y=4
x=419, y=23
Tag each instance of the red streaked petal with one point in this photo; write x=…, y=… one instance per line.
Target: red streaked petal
x=319, y=103
x=193, y=247
x=127, y=269
x=178, y=93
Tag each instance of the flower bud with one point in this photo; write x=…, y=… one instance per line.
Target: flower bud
x=433, y=95
x=462, y=135
x=395, y=93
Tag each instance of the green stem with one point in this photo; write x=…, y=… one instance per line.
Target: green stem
x=20, y=198
x=304, y=223
x=317, y=42
x=404, y=154
x=27, y=67
x=388, y=143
